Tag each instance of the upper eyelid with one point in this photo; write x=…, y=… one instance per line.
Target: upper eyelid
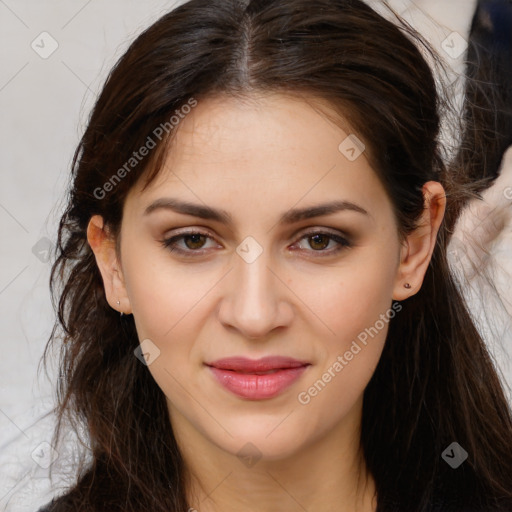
x=301, y=232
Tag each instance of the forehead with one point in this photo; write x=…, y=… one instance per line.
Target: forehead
x=255, y=128
x=274, y=148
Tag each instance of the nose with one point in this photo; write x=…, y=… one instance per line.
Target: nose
x=256, y=299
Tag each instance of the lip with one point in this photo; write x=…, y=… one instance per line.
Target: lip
x=245, y=378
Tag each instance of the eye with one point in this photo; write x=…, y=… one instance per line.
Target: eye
x=320, y=240
x=195, y=240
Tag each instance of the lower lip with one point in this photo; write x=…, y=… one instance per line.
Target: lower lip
x=257, y=387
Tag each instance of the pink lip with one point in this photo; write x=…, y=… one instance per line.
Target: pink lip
x=244, y=377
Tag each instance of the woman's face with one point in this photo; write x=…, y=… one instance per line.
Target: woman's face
x=269, y=274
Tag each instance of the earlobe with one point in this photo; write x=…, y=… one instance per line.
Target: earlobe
x=103, y=246
x=419, y=246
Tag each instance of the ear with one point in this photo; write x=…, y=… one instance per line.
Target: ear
x=104, y=247
x=419, y=245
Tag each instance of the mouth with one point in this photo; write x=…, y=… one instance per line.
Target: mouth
x=261, y=366
x=257, y=379
x=268, y=372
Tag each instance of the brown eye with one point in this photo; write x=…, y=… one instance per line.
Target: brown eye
x=319, y=241
x=194, y=241
x=191, y=243
x=186, y=243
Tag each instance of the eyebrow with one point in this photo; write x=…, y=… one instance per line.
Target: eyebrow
x=222, y=216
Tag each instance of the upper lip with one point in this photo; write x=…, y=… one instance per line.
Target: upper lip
x=243, y=364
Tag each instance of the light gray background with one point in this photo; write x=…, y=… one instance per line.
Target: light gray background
x=44, y=104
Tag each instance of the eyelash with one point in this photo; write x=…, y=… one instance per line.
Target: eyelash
x=170, y=243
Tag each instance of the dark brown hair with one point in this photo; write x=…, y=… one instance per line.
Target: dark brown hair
x=435, y=382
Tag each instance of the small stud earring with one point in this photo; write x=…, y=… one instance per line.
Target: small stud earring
x=407, y=285
x=118, y=303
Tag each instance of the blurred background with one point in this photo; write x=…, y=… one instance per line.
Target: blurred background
x=55, y=57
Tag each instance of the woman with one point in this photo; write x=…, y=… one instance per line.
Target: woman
x=257, y=308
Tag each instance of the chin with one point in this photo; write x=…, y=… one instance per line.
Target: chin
x=265, y=440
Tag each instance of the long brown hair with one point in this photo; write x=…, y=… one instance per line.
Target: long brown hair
x=435, y=383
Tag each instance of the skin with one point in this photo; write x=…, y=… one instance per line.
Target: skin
x=258, y=159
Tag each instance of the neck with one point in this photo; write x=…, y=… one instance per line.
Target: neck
x=329, y=474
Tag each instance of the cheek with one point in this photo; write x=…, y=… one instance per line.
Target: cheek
x=162, y=295
x=168, y=303
x=357, y=309
x=162, y=300
x=350, y=300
